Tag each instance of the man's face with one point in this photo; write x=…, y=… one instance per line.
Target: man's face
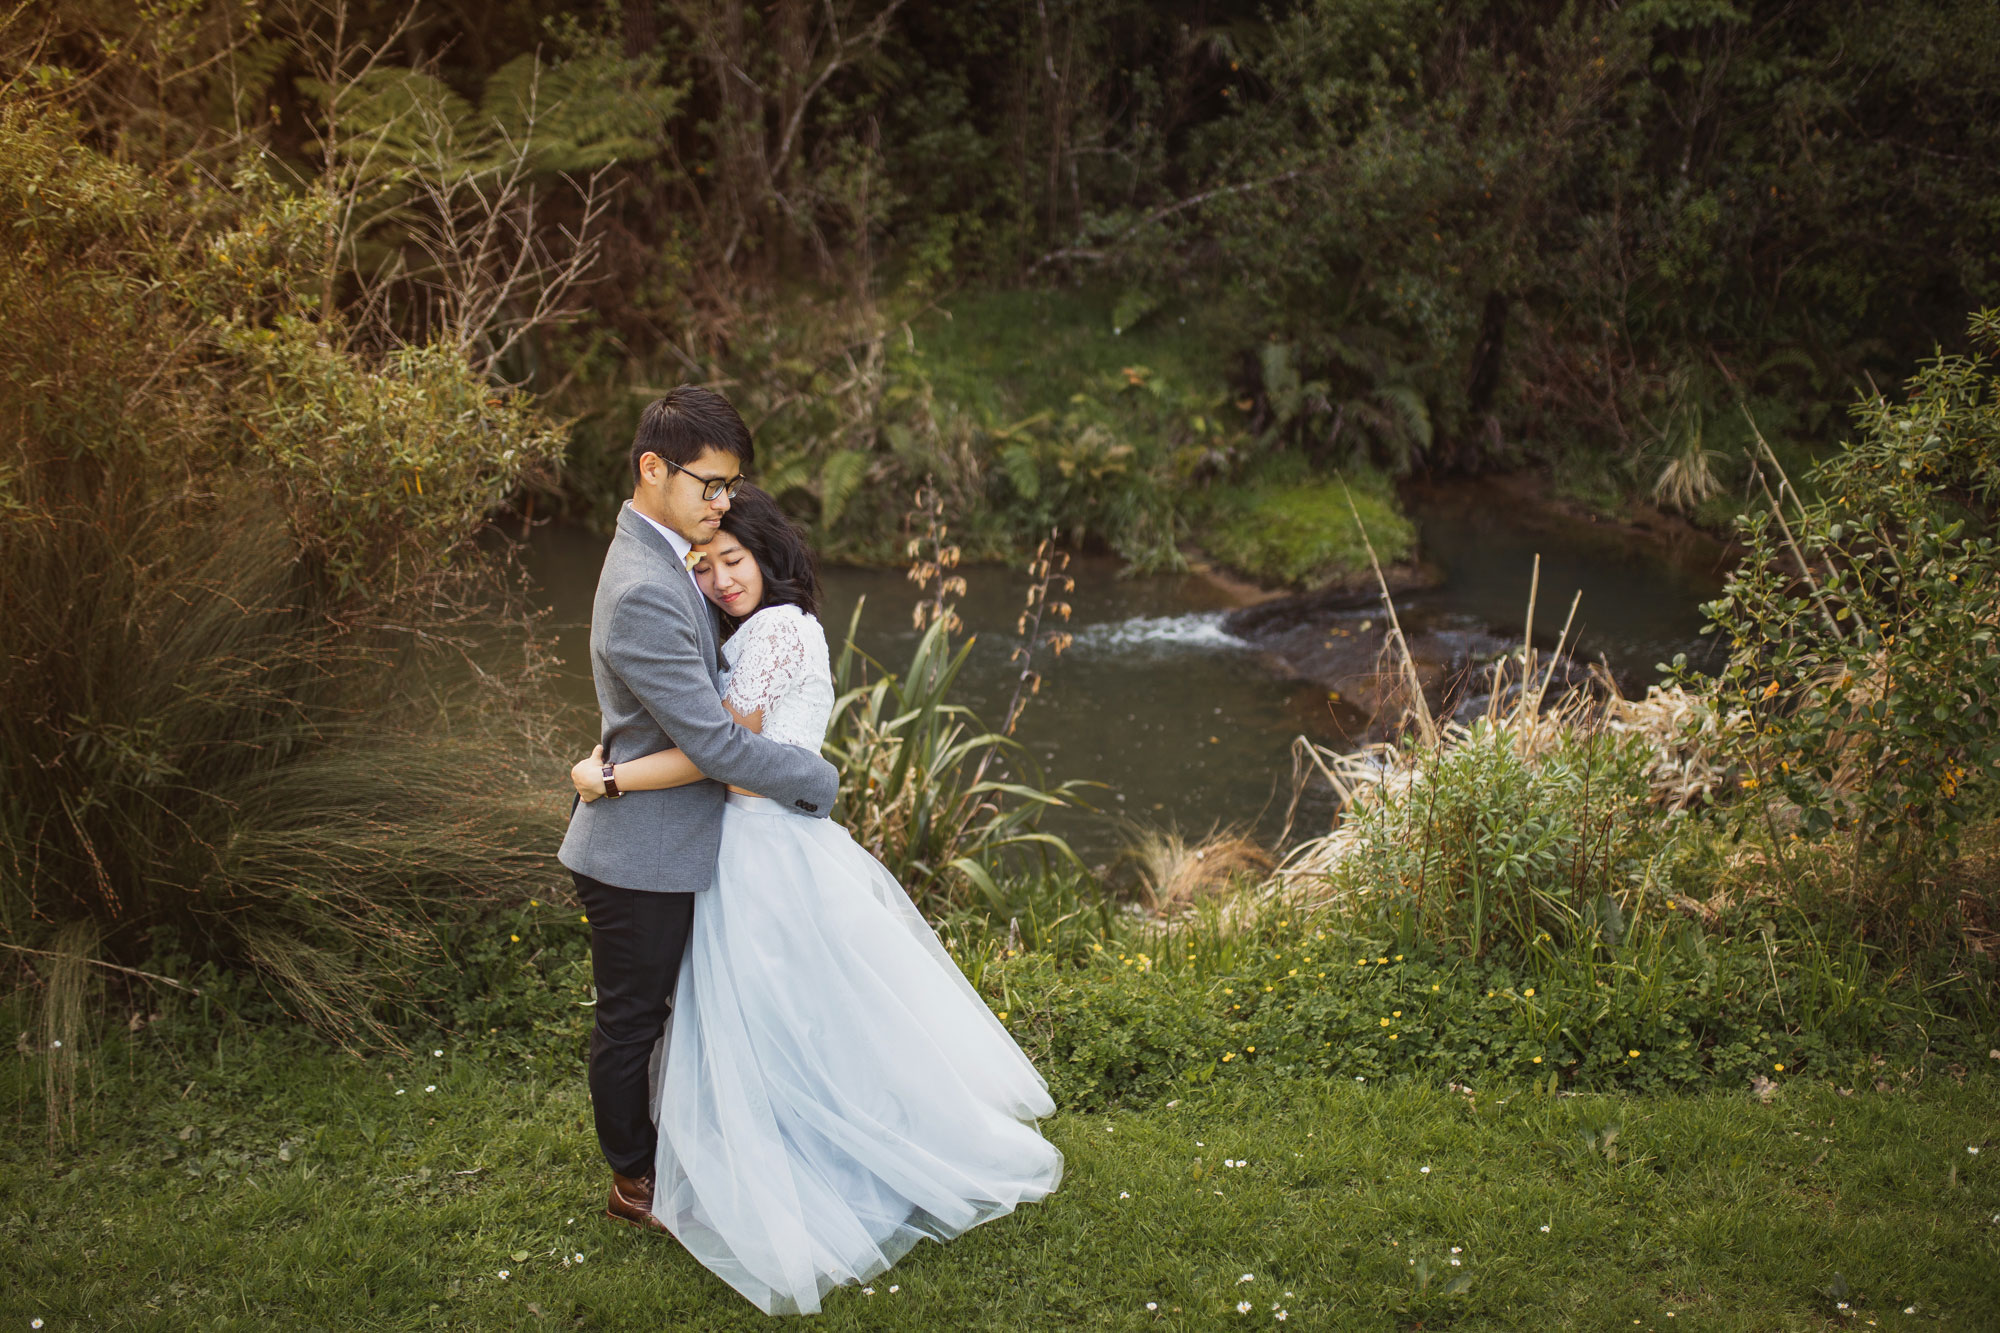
x=673, y=495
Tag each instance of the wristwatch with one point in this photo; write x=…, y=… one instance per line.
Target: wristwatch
x=611, y=782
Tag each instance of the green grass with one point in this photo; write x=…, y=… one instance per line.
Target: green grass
x=1011, y=353
x=176, y=1208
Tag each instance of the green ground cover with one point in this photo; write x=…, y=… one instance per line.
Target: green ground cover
x=1017, y=351
x=231, y=1179
x=1290, y=526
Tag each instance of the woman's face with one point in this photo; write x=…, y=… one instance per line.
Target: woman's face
x=729, y=575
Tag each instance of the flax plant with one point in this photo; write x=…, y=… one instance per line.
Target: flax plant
x=913, y=790
x=916, y=789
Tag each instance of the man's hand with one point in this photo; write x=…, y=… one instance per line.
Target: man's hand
x=588, y=775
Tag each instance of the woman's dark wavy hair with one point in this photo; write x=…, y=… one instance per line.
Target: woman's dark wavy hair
x=791, y=574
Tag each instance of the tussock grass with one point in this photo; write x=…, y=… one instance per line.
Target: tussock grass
x=1176, y=871
x=219, y=770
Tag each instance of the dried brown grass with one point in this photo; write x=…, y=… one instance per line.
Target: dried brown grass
x=1176, y=872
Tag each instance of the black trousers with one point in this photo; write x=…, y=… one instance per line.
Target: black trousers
x=637, y=940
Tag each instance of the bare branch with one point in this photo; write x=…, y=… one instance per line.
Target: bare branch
x=1178, y=206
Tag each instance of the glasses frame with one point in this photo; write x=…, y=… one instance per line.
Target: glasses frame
x=710, y=486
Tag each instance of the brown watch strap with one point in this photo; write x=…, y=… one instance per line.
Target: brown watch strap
x=611, y=782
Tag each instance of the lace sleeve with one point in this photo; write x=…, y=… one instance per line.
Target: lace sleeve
x=773, y=659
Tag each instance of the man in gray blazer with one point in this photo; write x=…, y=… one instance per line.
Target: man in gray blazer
x=641, y=858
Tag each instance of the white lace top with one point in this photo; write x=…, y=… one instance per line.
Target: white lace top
x=778, y=662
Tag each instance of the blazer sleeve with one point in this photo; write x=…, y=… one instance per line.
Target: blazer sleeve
x=654, y=646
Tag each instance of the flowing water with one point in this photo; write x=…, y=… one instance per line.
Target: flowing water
x=1186, y=723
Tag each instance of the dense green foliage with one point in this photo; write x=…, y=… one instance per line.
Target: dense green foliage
x=1864, y=678
x=1437, y=235
x=1411, y=235
x=262, y=710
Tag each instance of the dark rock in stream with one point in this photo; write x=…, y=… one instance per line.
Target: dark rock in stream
x=1562, y=676
x=1351, y=593
x=1335, y=637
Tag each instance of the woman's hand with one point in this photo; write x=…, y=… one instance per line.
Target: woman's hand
x=588, y=775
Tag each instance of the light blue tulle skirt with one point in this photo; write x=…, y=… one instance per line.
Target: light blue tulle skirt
x=830, y=1090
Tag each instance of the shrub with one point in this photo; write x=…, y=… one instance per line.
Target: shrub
x=924, y=786
x=1288, y=994
x=1495, y=844
x=1863, y=679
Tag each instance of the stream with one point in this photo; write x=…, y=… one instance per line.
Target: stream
x=1184, y=701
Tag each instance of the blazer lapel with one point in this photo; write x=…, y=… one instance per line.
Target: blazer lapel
x=675, y=575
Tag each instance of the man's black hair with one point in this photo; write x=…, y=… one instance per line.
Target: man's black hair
x=686, y=421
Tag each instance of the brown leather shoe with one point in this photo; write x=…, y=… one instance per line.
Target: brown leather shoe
x=632, y=1201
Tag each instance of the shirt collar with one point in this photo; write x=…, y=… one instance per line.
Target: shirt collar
x=682, y=546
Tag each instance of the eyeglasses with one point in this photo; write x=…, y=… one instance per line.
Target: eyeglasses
x=710, y=486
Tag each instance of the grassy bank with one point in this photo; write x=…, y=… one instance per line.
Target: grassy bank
x=232, y=1180
x=1162, y=390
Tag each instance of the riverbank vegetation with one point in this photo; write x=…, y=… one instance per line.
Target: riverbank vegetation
x=270, y=708
x=290, y=727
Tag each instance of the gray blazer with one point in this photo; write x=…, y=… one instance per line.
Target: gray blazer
x=653, y=657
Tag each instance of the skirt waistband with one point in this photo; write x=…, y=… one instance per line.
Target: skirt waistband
x=763, y=805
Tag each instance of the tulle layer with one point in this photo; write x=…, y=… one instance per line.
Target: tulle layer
x=832, y=1089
